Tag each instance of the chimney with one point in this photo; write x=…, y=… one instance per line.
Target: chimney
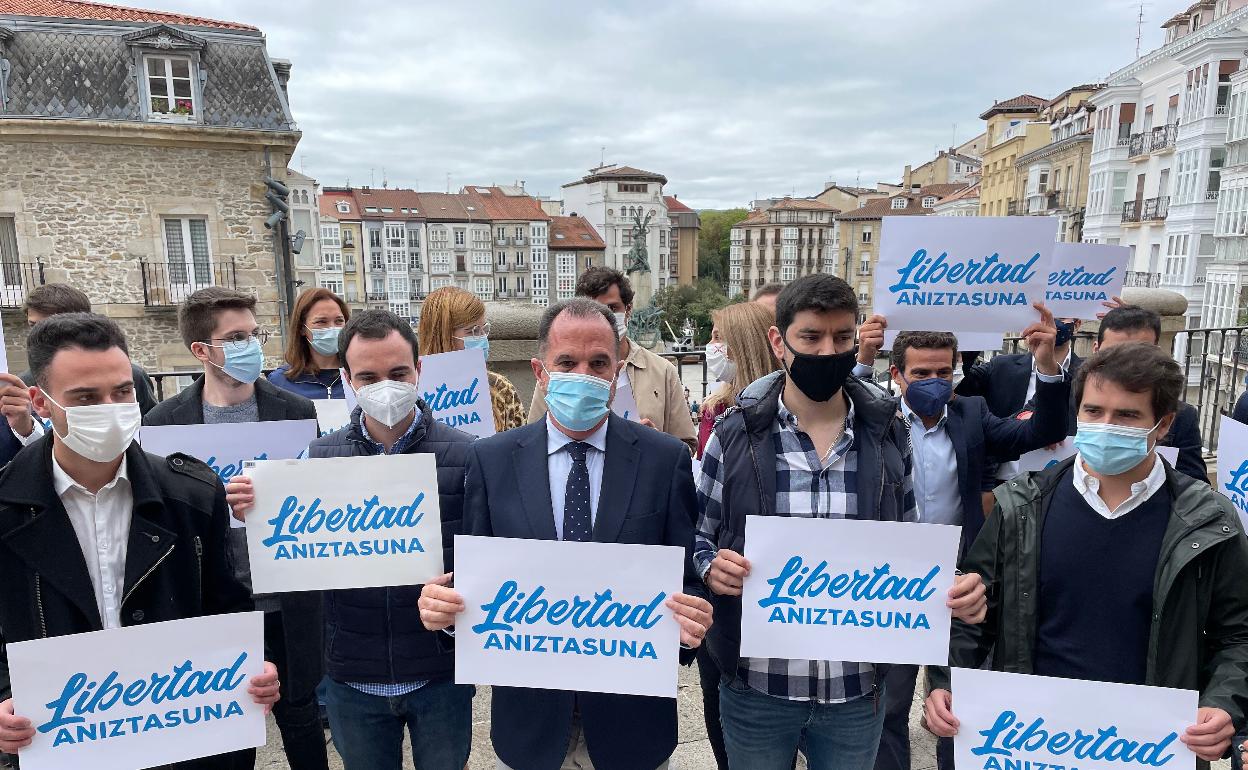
x=521, y=184
x=281, y=67
x=905, y=177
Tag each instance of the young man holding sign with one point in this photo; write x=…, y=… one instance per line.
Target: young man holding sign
x=813, y=442
x=581, y=474
x=94, y=532
x=387, y=670
x=1112, y=566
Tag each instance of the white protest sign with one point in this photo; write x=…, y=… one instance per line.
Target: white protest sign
x=344, y=522
x=457, y=389
x=1233, y=465
x=348, y=392
x=332, y=414
x=561, y=615
x=1039, y=459
x=963, y=274
x=1019, y=720
x=625, y=403
x=966, y=340
x=140, y=696
x=4, y=351
x=1082, y=276
x=843, y=589
x=226, y=446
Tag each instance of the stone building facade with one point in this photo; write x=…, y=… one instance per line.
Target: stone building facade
x=133, y=152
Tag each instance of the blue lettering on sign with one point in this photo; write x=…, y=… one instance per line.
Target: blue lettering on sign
x=443, y=398
x=119, y=728
x=227, y=472
x=332, y=549
x=1081, y=277
x=1076, y=296
x=570, y=645
x=296, y=518
x=81, y=697
x=798, y=581
x=458, y=420
x=1237, y=488
x=824, y=616
x=510, y=607
x=1009, y=733
x=989, y=271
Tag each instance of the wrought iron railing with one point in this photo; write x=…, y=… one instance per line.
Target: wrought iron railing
x=16, y=280
x=168, y=284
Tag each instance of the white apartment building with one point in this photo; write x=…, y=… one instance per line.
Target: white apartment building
x=610, y=198
x=1226, y=277
x=305, y=216
x=792, y=238
x=1159, y=148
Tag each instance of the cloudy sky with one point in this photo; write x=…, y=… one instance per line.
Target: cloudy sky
x=730, y=99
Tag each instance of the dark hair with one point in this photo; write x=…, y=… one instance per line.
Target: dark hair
x=923, y=341
x=1137, y=367
x=298, y=349
x=596, y=281
x=1129, y=318
x=375, y=324
x=198, y=315
x=55, y=298
x=55, y=333
x=767, y=290
x=820, y=292
x=577, y=307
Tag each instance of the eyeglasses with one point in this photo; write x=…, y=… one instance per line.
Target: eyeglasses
x=483, y=330
x=238, y=341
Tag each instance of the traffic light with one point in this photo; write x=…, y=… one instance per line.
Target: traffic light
x=277, y=195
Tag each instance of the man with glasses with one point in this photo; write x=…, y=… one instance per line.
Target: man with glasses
x=219, y=328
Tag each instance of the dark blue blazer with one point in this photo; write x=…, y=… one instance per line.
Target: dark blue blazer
x=1185, y=434
x=647, y=498
x=1240, y=413
x=1003, y=381
x=9, y=445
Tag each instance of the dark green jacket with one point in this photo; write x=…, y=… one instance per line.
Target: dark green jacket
x=1199, y=636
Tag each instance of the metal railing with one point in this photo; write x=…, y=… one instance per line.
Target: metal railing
x=169, y=284
x=695, y=359
x=1215, y=363
x=1163, y=137
x=1142, y=280
x=1131, y=211
x=16, y=280
x=1156, y=208
x=1137, y=146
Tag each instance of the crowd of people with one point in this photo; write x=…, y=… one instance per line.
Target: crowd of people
x=1111, y=565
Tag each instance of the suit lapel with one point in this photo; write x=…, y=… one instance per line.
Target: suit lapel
x=619, y=477
x=957, y=437
x=1020, y=375
x=530, y=461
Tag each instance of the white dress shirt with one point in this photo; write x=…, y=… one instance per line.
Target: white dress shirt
x=935, y=464
x=102, y=523
x=559, y=467
x=1088, y=486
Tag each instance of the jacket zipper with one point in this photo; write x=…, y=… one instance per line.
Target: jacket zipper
x=145, y=576
x=43, y=622
x=199, y=568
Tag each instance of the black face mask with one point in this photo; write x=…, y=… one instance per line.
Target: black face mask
x=1065, y=331
x=820, y=377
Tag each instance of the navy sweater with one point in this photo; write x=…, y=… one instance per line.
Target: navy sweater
x=1096, y=587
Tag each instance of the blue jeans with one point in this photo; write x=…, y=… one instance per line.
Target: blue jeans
x=368, y=729
x=763, y=733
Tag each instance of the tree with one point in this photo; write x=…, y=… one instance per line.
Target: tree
x=713, y=243
x=694, y=303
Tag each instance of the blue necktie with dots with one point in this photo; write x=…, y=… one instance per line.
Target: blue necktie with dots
x=578, y=525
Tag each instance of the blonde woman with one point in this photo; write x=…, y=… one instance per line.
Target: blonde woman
x=737, y=354
x=453, y=319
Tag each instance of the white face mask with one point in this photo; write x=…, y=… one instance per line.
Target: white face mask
x=717, y=363
x=621, y=324
x=388, y=401
x=100, y=432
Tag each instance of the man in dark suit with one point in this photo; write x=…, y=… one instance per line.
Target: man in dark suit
x=1129, y=323
x=219, y=327
x=949, y=438
x=1008, y=382
x=525, y=483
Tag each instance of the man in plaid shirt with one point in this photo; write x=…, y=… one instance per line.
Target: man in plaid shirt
x=810, y=441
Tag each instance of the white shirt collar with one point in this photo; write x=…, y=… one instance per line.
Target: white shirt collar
x=1088, y=486
x=62, y=482
x=557, y=439
x=1065, y=365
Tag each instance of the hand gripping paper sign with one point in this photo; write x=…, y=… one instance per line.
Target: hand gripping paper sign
x=140, y=696
x=567, y=616
x=344, y=522
x=842, y=589
x=963, y=274
x=1233, y=465
x=457, y=389
x=1022, y=721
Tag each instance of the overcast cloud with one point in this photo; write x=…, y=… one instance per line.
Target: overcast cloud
x=730, y=99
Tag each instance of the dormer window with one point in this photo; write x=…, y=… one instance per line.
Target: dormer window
x=929, y=201
x=899, y=203
x=170, y=88
x=343, y=207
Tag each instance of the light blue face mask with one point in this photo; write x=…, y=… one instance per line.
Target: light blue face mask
x=479, y=342
x=1112, y=449
x=244, y=364
x=325, y=341
x=577, y=401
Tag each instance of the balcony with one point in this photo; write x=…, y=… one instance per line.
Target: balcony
x=439, y=268
x=1137, y=146
x=417, y=296
x=522, y=292
x=1142, y=280
x=1131, y=212
x=502, y=294
x=374, y=296
x=519, y=241
x=502, y=267
x=1163, y=137
x=502, y=241
x=1156, y=208
x=1011, y=209
x=168, y=285
x=19, y=278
